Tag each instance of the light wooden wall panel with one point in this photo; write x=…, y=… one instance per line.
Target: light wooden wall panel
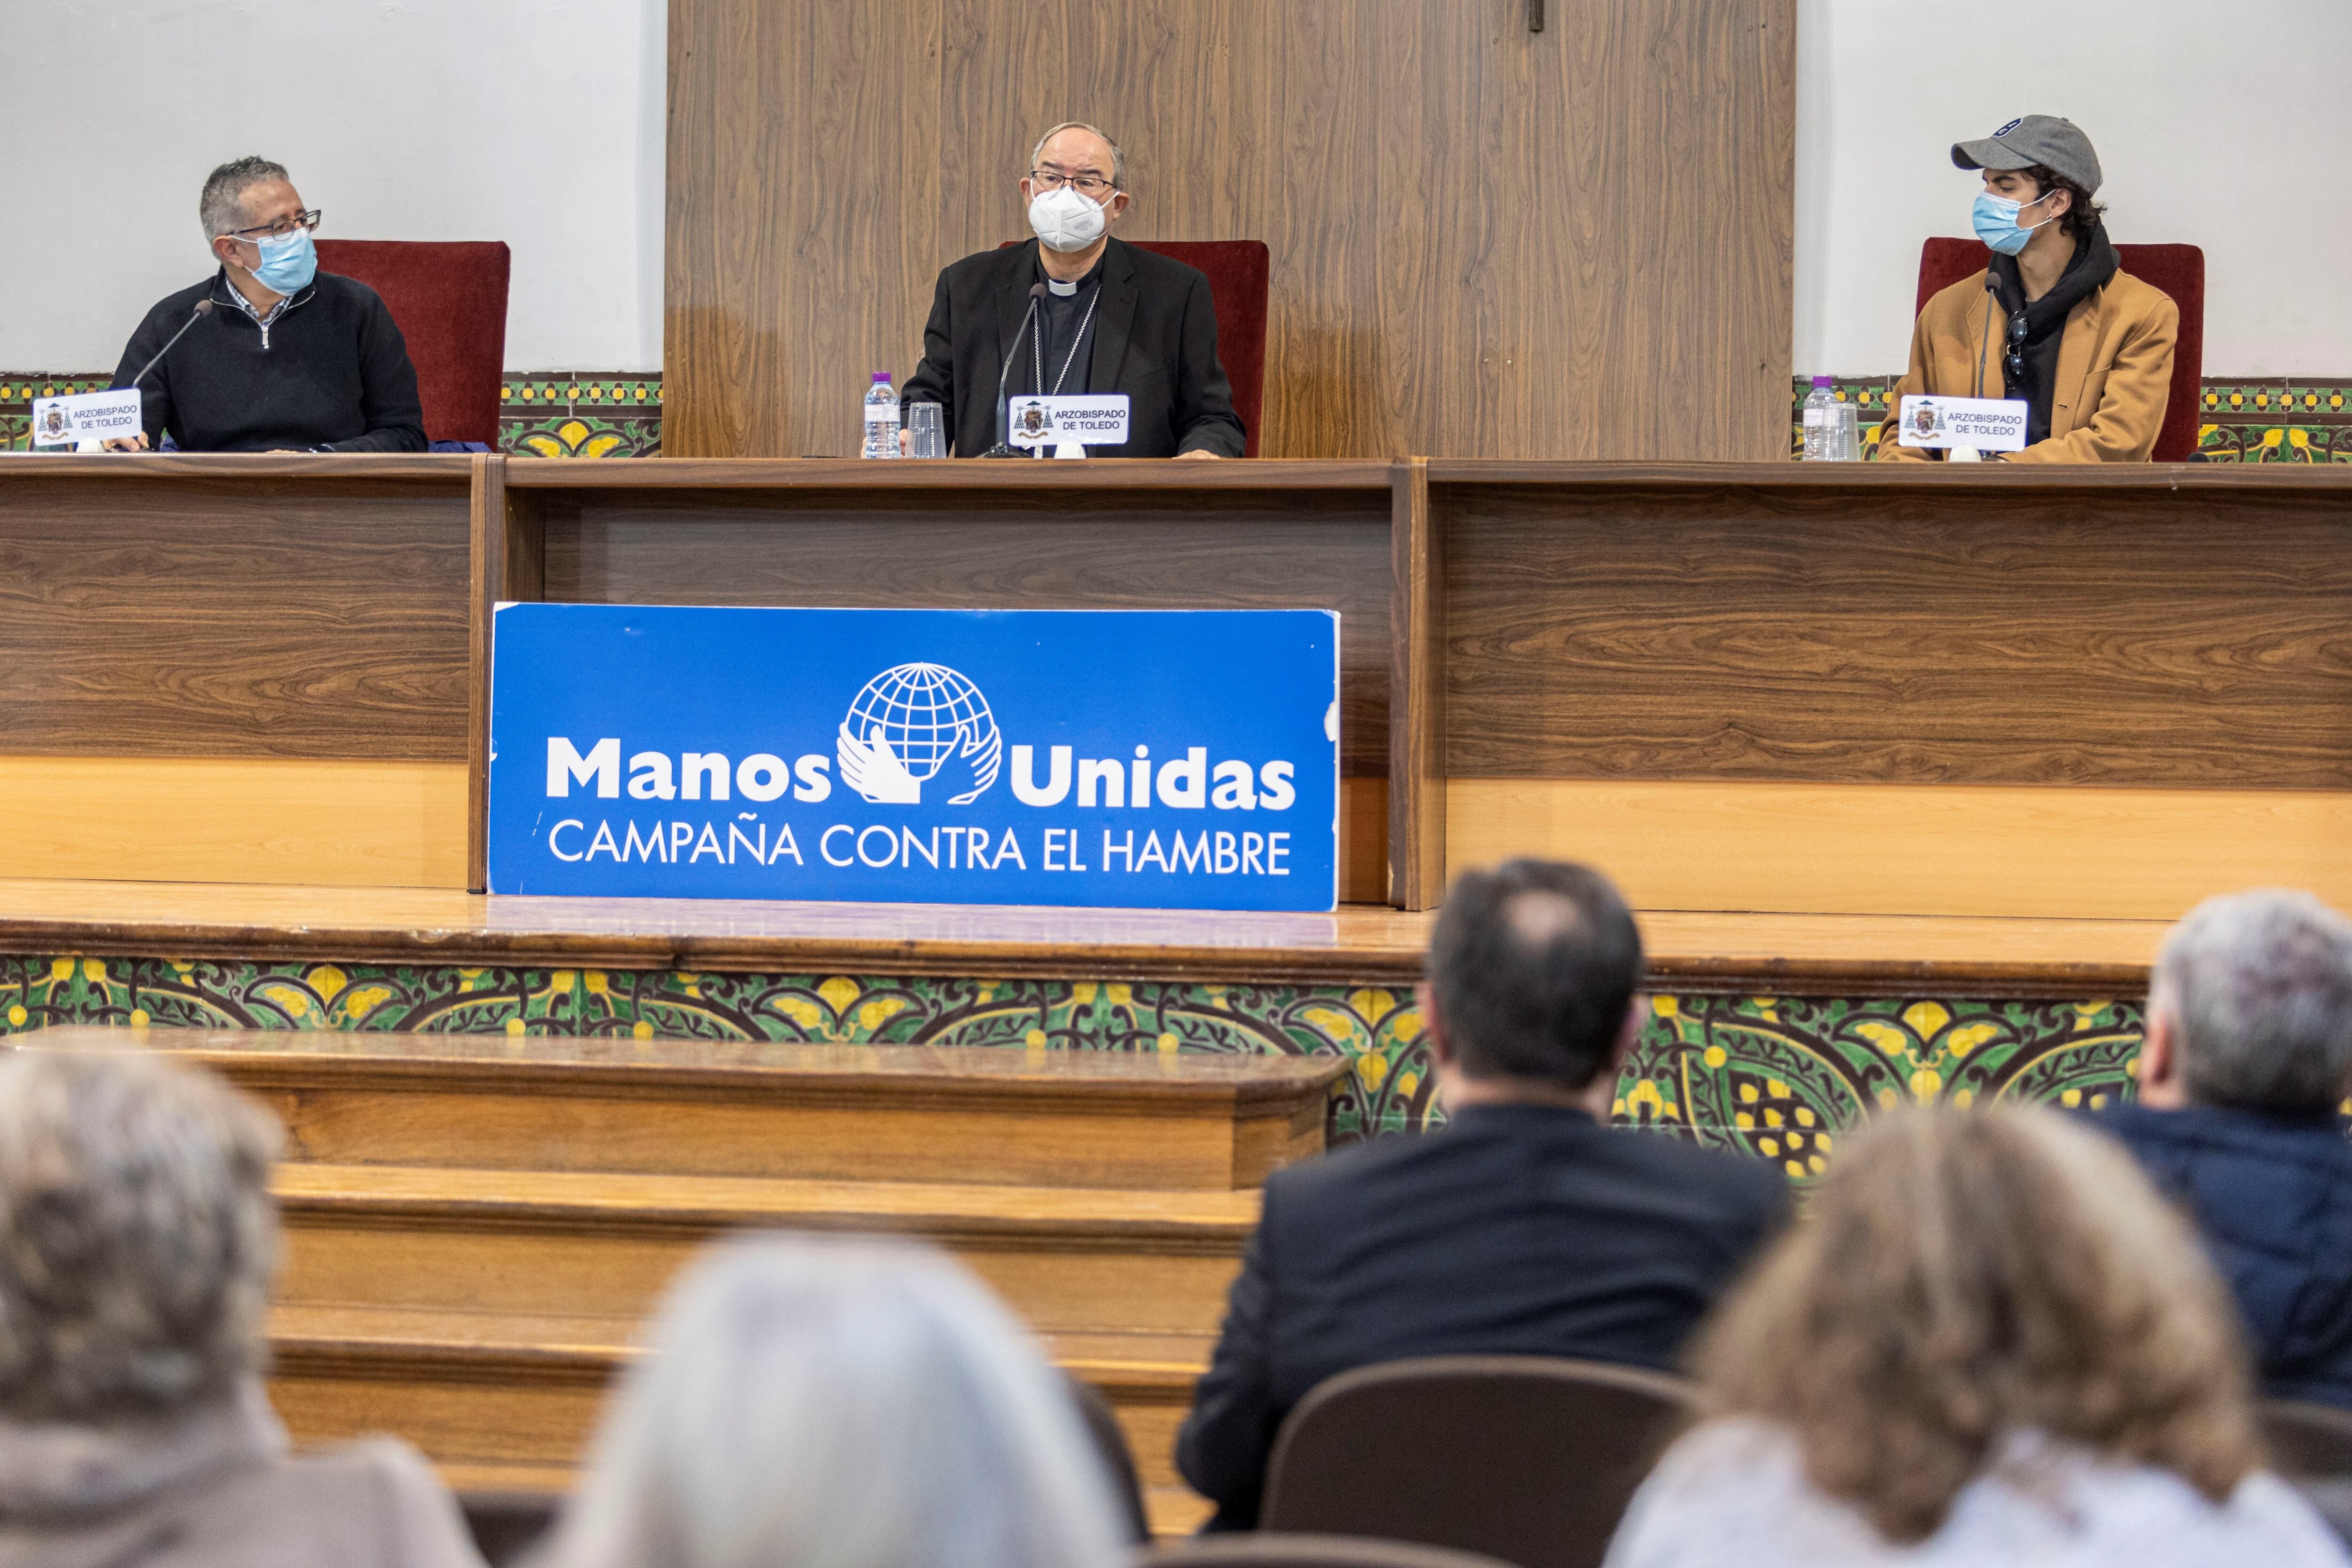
x=236, y=819
x=1486, y=242
x=2053, y=851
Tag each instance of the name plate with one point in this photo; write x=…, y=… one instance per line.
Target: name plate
x=1146, y=758
x=1986, y=424
x=1098, y=420
x=86, y=416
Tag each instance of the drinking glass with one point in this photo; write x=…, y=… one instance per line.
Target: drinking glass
x=926, y=434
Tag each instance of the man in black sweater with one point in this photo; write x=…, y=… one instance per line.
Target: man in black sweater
x=289, y=359
x=1527, y=1226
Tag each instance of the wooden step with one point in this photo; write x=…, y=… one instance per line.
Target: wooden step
x=1158, y=1120
x=1069, y=1260
x=507, y=1401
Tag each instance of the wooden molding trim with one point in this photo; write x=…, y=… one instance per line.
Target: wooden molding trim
x=1416, y=695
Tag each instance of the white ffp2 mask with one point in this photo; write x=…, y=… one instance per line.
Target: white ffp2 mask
x=1065, y=220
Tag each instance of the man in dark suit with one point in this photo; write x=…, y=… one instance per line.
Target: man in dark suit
x=1525, y=1227
x=1113, y=320
x=2242, y=1072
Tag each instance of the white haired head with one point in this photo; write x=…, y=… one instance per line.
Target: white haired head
x=2260, y=988
x=830, y=1404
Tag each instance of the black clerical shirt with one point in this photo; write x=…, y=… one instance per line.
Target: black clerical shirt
x=1061, y=317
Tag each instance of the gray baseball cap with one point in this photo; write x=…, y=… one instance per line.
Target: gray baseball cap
x=2042, y=139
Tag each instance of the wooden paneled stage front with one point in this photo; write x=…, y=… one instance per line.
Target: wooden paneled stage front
x=1908, y=771
x=2040, y=692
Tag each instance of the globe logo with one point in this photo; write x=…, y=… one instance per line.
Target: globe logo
x=914, y=724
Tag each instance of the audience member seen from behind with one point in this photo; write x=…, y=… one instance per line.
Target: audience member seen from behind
x=1527, y=1225
x=137, y=1239
x=825, y=1403
x=2242, y=1074
x=1989, y=1343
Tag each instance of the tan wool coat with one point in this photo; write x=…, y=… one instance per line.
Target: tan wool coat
x=213, y=1486
x=2114, y=370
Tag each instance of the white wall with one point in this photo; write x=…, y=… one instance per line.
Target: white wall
x=2227, y=126
x=535, y=121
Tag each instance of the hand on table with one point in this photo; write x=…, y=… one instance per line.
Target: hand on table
x=1196, y=452
x=127, y=443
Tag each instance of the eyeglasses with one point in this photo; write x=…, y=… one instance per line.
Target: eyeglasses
x=1091, y=186
x=281, y=227
x=2013, y=361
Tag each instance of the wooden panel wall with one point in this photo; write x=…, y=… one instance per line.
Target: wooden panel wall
x=1925, y=634
x=236, y=668
x=2038, y=692
x=1485, y=241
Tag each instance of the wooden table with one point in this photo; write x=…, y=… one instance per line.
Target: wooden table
x=1845, y=691
x=1866, y=690
x=236, y=669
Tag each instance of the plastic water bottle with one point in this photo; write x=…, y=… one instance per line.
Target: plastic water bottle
x=881, y=418
x=1820, y=423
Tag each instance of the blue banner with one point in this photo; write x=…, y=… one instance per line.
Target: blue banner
x=1132, y=759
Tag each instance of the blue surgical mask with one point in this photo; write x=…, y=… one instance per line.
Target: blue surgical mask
x=288, y=262
x=1996, y=221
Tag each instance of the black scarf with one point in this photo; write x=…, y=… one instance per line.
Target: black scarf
x=2093, y=263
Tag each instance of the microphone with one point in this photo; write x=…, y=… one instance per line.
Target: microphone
x=1992, y=297
x=204, y=308
x=1004, y=447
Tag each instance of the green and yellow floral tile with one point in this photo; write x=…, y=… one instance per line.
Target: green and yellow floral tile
x=2278, y=421
x=550, y=414
x=1779, y=1076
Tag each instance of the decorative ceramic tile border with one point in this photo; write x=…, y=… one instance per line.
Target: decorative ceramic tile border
x=580, y=415
x=543, y=414
x=2277, y=421
x=1779, y=1076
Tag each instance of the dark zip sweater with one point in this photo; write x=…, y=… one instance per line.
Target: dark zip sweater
x=331, y=374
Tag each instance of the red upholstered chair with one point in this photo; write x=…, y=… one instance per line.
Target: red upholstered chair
x=2178, y=269
x=1238, y=272
x=450, y=300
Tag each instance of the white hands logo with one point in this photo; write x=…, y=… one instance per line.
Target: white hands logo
x=874, y=771
x=915, y=724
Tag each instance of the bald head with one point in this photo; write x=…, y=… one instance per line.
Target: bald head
x=1533, y=969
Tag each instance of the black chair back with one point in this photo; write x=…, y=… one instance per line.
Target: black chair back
x=506, y=1524
x=1264, y=1549
x=2308, y=1440
x=1525, y=1458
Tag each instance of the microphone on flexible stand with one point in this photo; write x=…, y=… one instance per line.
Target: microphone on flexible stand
x=1984, y=336
x=1004, y=447
x=1992, y=297
x=204, y=308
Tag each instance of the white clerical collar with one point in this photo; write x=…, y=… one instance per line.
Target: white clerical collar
x=1061, y=289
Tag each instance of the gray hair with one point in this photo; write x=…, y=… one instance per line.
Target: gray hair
x=832, y=1404
x=222, y=206
x=1117, y=158
x=2260, y=986
x=137, y=1235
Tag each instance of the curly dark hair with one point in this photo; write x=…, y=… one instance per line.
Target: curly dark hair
x=2083, y=213
x=1962, y=1275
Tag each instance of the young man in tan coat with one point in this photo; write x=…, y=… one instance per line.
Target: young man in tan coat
x=2053, y=322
